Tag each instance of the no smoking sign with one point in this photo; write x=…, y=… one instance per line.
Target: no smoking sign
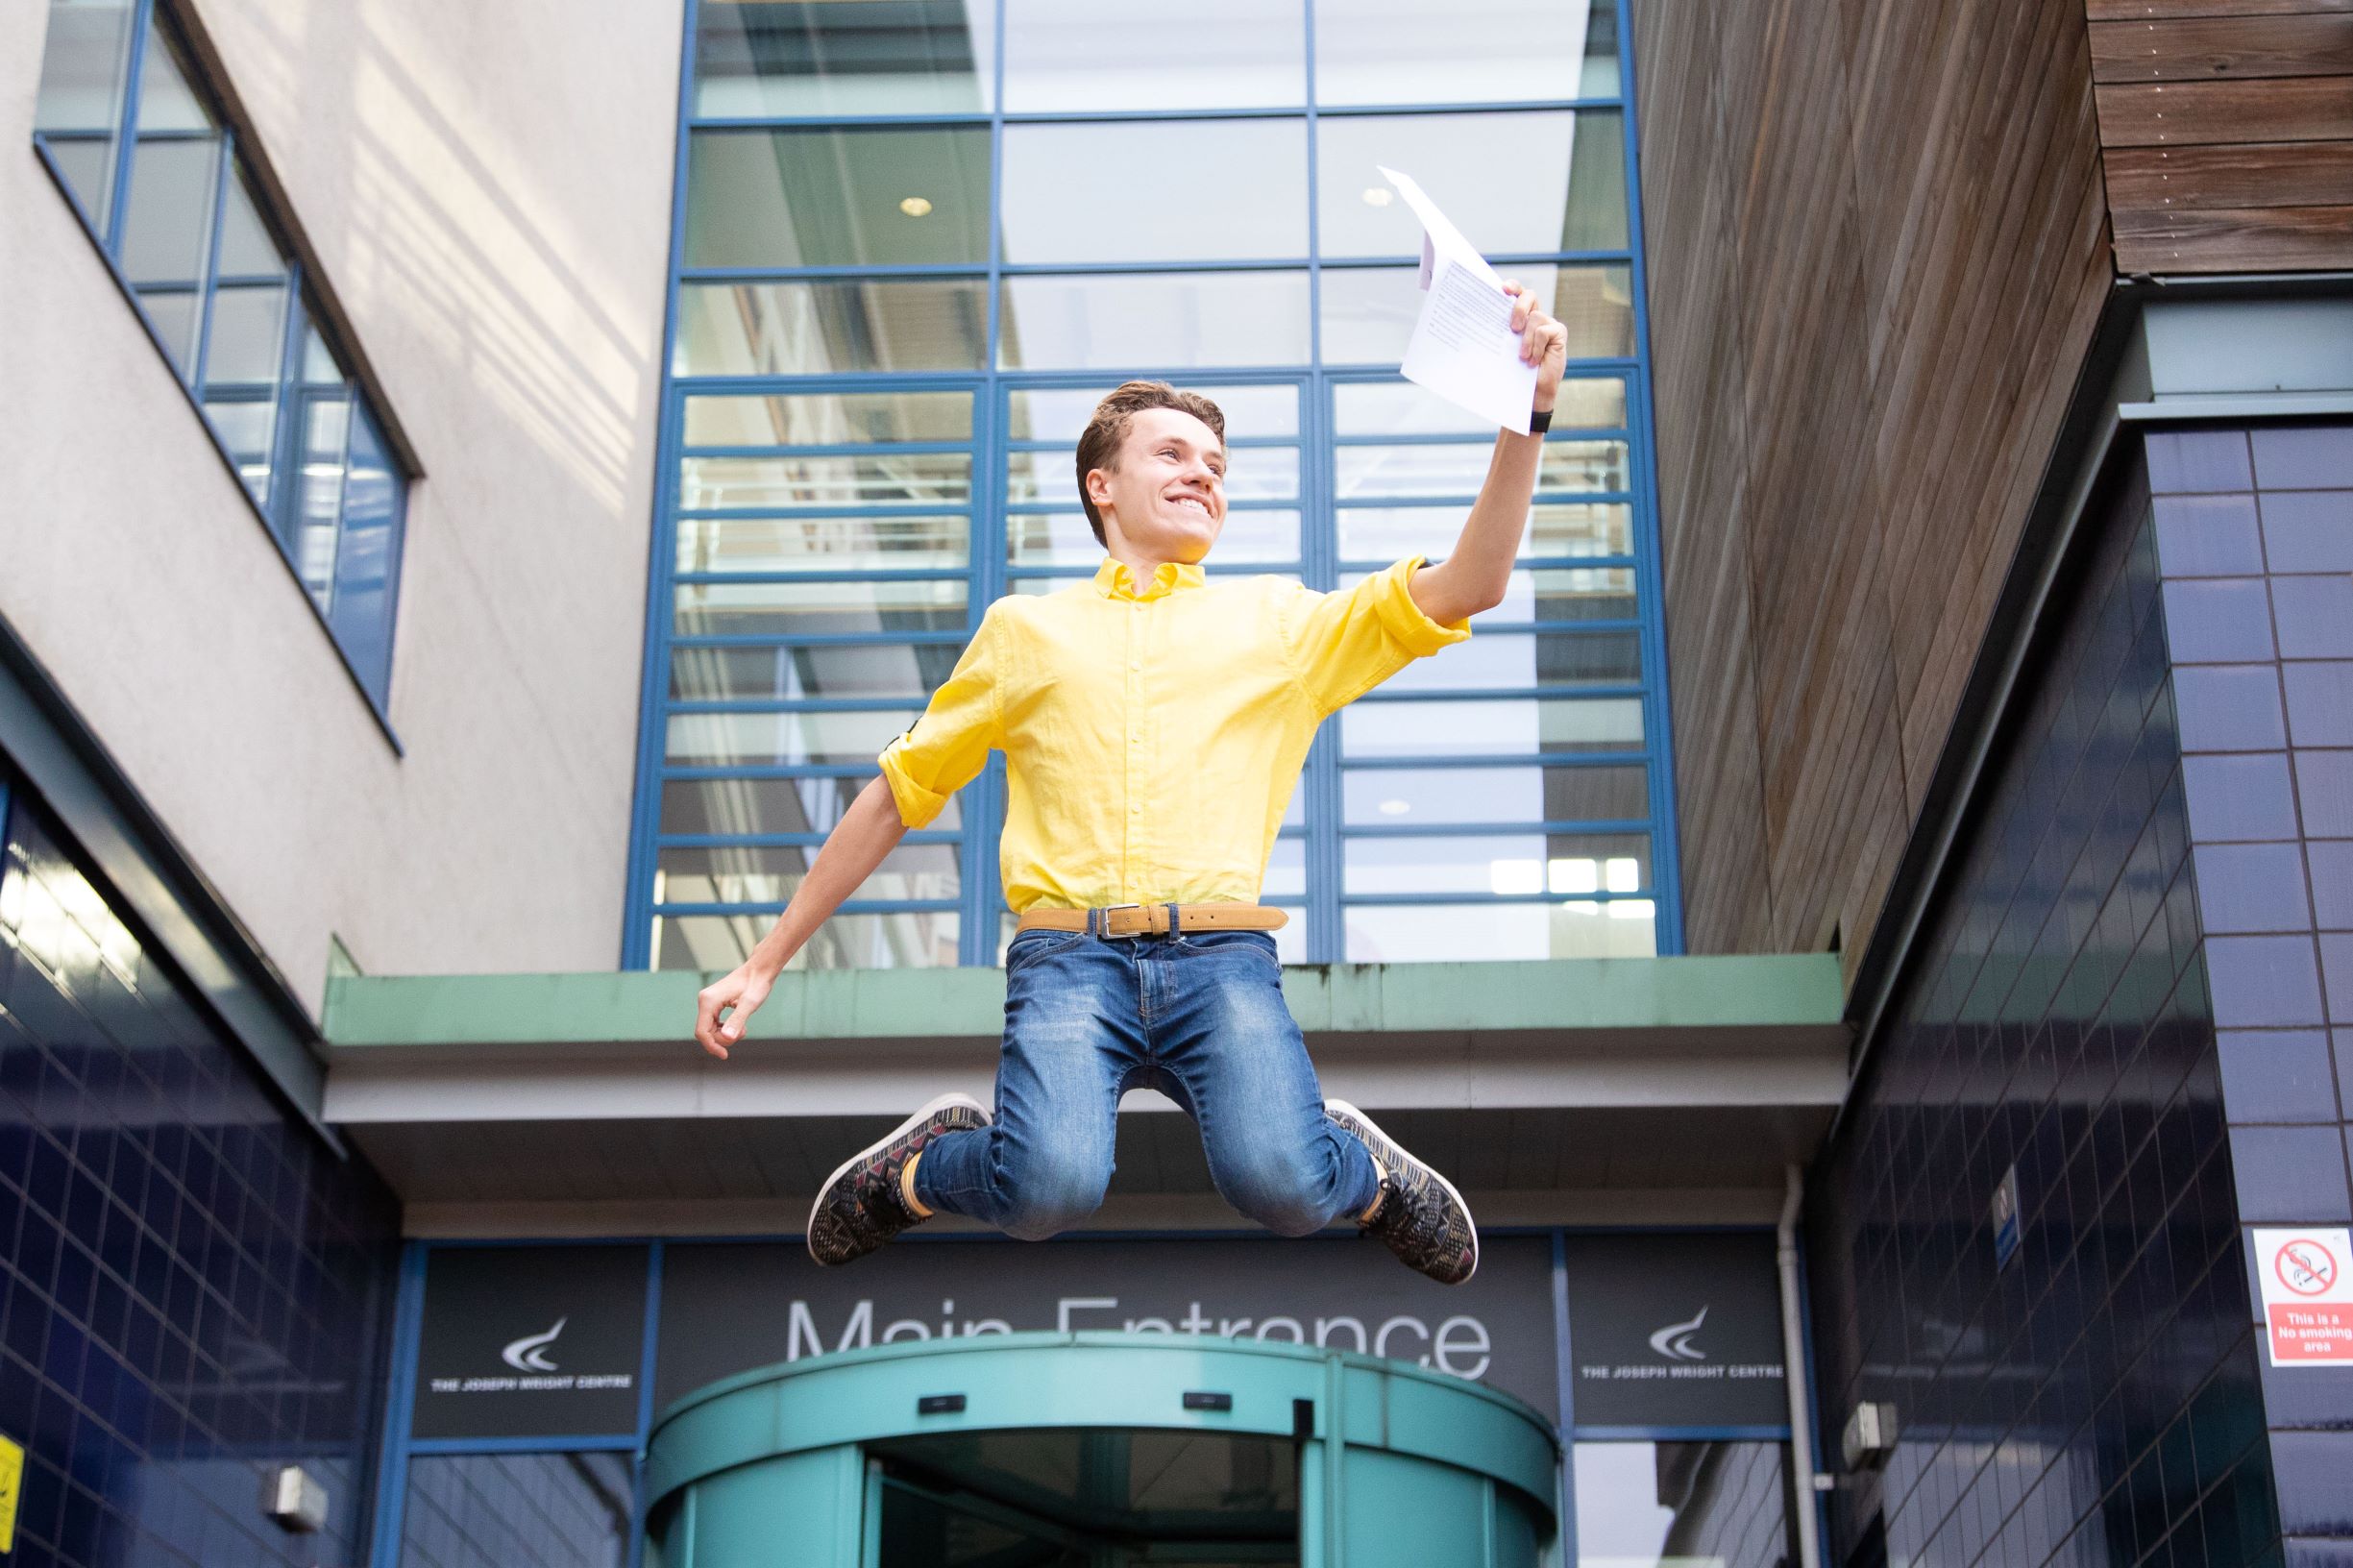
x=2306, y=1295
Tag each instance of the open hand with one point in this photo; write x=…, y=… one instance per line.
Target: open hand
x=739, y=996
x=1544, y=342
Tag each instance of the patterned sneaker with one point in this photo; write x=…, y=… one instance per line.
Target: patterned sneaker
x=1420, y=1216
x=859, y=1206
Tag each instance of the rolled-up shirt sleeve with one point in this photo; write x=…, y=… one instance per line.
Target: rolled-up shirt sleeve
x=946, y=747
x=1343, y=644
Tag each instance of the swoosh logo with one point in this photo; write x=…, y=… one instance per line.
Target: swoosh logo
x=529, y=1354
x=1674, y=1341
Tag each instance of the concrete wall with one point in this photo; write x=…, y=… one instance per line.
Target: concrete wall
x=487, y=188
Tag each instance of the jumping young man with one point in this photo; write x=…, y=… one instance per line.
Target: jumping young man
x=1154, y=721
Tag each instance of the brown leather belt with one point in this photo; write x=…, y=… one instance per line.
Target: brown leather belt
x=1152, y=919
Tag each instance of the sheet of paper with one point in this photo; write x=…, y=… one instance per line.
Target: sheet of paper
x=1462, y=346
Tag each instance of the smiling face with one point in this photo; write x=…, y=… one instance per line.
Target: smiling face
x=1164, y=497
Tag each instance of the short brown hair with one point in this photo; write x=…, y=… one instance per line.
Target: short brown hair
x=1098, y=446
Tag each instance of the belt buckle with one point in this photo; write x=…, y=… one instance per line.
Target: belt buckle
x=1107, y=912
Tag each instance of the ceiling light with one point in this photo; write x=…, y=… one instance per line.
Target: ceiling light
x=914, y=206
x=1378, y=196
x=1395, y=808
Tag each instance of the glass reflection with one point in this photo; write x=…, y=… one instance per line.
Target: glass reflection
x=1443, y=796
x=814, y=58
x=826, y=419
x=924, y=478
x=1386, y=534
x=754, y=807
x=1046, y=414
x=1445, y=469
x=728, y=740
x=770, y=875
x=1690, y=1505
x=84, y=64
x=788, y=673
x=1173, y=190
x=1481, y=726
x=1512, y=662
x=1165, y=321
x=821, y=544
x=1286, y=871
x=831, y=198
x=515, y=1508
x=831, y=326
x=1401, y=408
x=1562, y=189
x=1479, y=52
x=1529, y=863
x=1368, y=311
x=1082, y=54
x=719, y=942
x=820, y=609
x=1064, y=539
x=1465, y=933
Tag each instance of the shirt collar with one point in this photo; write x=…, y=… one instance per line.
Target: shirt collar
x=1113, y=581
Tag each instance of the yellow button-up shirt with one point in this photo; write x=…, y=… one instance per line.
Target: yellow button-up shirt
x=1152, y=736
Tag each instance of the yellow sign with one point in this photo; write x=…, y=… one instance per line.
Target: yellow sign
x=12, y=1478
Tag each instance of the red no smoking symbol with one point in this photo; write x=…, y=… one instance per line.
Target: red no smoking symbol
x=2306, y=1267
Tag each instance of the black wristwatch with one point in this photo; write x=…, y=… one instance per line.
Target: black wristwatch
x=1539, y=421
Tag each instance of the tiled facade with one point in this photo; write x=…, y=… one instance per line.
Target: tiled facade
x=2255, y=537
x=193, y=1288
x=2094, y=1401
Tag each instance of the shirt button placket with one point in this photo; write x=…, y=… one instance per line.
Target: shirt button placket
x=1134, y=759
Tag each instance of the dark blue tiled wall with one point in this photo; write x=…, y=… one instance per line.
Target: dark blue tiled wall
x=2096, y=1401
x=193, y=1288
x=2255, y=534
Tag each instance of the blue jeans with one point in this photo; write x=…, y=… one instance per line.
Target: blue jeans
x=1199, y=1016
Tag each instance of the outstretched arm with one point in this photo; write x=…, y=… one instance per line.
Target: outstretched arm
x=867, y=831
x=1473, y=577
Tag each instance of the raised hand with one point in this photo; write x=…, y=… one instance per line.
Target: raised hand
x=1544, y=342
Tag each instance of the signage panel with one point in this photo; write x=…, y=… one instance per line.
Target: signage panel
x=531, y=1341
x=2306, y=1278
x=1675, y=1331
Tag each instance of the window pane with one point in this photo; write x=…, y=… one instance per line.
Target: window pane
x=1445, y=469
x=1155, y=191
x=1529, y=863
x=247, y=248
x=1480, y=51
x=1465, y=933
x=325, y=424
x=167, y=102
x=174, y=314
x=1575, y=592
x=1368, y=311
x=1412, y=797
x=843, y=57
x=1044, y=414
x=1506, y=661
x=1669, y=1505
x=720, y=942
x=824, y=483
x=819, y=609
x=1215, y=54
x=367, y=558
x=1388, y=534
x=821, y=543
x=741, y=875
x=1146, y=322
x=785, y=674
x=1401, y=408
x=723, y=740
x=1252, y=473
x=825, y=419
x=167, y=229
x=819, y=328
x=247, y=337
x=1064, y=539
x=751, y=806
x=536, y=1509
x=247, y=426
x=82, y=68
x=837, y=198
x=1564, y=187
x=1286, y=871
x=1481, y=727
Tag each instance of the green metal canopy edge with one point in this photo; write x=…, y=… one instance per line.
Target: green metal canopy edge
x=1803, y=990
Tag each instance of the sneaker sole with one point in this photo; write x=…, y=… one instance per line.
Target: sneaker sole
x=923, y=1113
x=1435, y=1175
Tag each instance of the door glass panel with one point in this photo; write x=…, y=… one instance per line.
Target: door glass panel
x=823, y=58
x=894, y=197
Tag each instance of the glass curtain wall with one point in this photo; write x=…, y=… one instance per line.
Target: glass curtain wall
x=918, y=239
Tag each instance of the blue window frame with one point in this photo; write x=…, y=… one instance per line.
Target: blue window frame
x=907, y=256
x=136, y=139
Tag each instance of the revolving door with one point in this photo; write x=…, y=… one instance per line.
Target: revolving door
x=1099, y=1450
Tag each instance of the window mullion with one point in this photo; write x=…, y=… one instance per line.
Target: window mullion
x=224, y=170
x=126, y=139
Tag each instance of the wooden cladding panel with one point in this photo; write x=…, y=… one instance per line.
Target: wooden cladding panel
x=1865, y=332
x=2208, y=48
x=2228, y=131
